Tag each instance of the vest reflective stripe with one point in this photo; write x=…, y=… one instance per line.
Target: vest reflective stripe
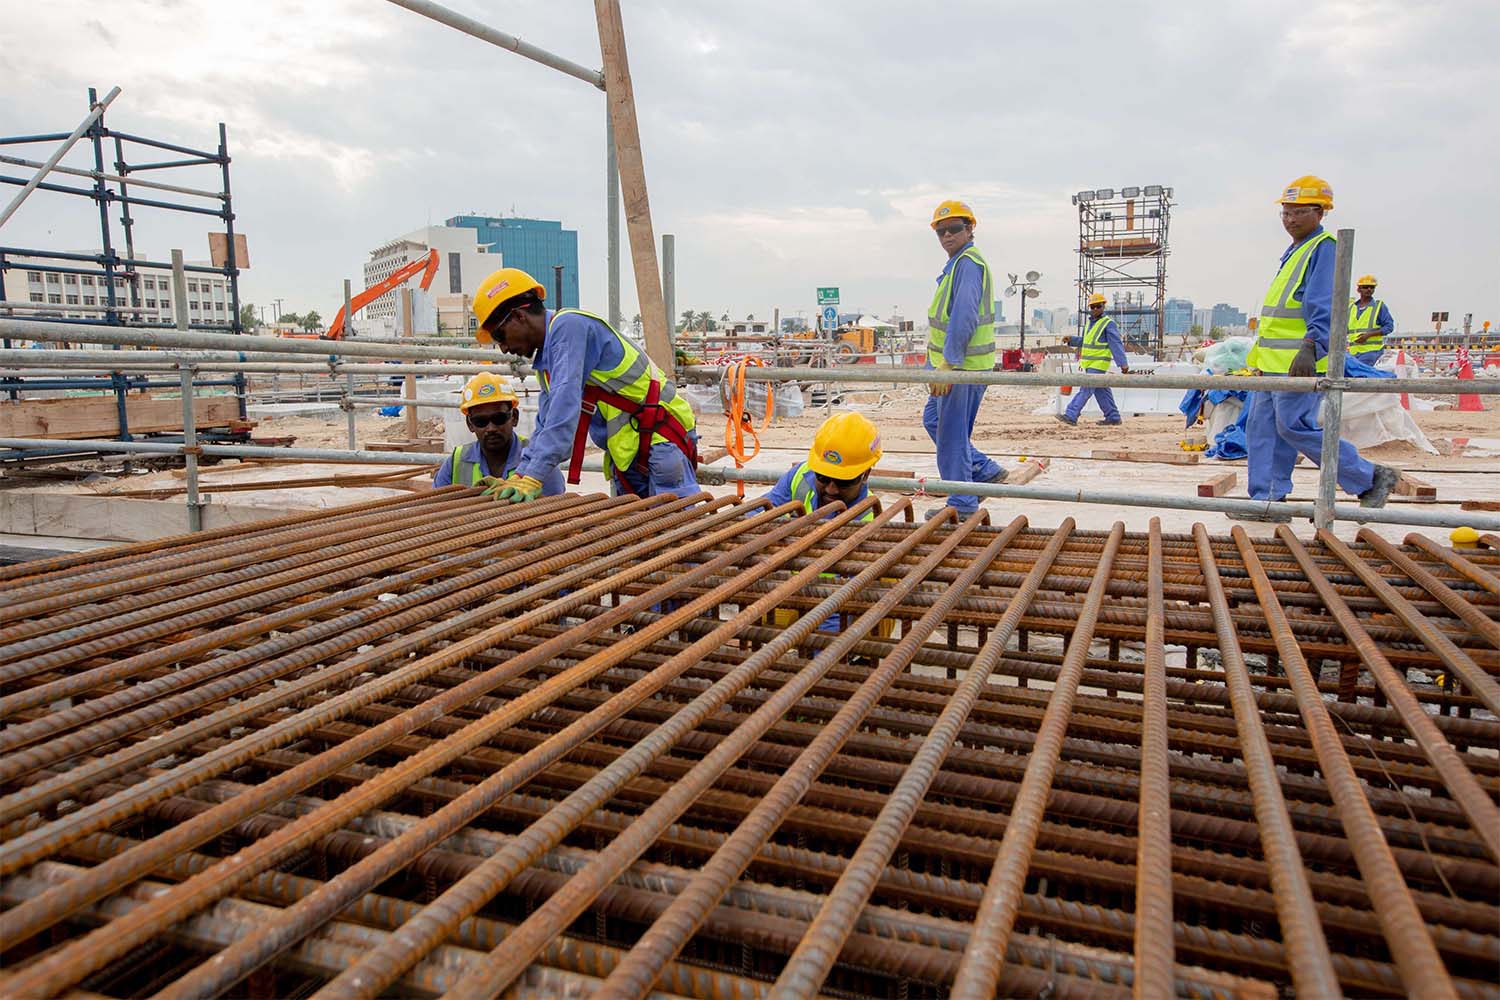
x=630, y=378
x=980, y=354
x=1282, y=325
x=466, y=473
x=805, y=490
x=1366, y=321
x=1095, y=354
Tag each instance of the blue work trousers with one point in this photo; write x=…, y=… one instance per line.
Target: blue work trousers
x=950, y=423
x=1102, y=395
x=669, y=472
x=1279, y=426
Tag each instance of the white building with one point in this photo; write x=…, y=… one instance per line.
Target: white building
x=462, y=265
x=148, y=293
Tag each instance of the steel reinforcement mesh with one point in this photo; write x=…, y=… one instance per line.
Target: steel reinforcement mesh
x=587, y=746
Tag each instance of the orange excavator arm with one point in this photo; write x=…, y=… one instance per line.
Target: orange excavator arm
x=426, y=266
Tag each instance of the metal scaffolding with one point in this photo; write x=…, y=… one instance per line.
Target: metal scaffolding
x=589, y=746
x=1122, y=254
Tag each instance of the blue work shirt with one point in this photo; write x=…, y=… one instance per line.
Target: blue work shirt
x=1316, y=291
x=575, y=345
x=963, y=309
x=782, y=492
x=552, y=482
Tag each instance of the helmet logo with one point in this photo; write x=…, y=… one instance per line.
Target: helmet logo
x=832, y=457
x=502, y=286
x=875, y=445
x=945, y=210
x=468, y=394
x=486, y=390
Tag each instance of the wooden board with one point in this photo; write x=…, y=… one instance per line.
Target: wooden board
x=1159, y=457
x=98, y=416
x=1219, y=485
x=1408, y=486
x=1025, y=472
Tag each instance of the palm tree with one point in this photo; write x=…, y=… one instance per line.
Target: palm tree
x=311, y=321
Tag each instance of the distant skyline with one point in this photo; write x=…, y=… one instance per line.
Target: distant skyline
x=789, y=146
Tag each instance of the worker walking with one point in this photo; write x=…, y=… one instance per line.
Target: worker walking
x=1101, y=343
x=491, y=411
x=1370, y=323
x=1293, y=340
x=838, y=465
x=596, y=383
x=961, y=336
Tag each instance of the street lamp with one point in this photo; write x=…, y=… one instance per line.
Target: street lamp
x=1028, y=290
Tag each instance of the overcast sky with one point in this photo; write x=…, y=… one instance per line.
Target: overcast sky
x=796, y=144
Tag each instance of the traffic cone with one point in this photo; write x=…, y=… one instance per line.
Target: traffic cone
x=1468, y=402
x=1400, y=362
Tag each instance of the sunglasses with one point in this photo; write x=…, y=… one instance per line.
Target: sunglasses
x=487, y=419
x=830, y=481
x=952, y=230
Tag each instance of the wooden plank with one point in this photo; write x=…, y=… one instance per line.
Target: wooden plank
x=1219, y=485
x=894, y=473
x=1159, y=457
x=1410, y=486
x=620, y=97
x=1025, y=472
x=98, y=416
x=1480, y=505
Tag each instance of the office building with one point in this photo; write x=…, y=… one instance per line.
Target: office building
x=1179, y=317
x=145, y=294
x=1226, y=317
x=444, y=307
x=536, y=246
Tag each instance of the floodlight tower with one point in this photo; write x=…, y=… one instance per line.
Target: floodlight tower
x=1027, y=290
x=1122, y=253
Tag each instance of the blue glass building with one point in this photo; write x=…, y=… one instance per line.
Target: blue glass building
x=1226, y=315
x=536, y=246
x=1179, y=316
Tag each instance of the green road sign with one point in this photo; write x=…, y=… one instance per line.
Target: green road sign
x=828, y=296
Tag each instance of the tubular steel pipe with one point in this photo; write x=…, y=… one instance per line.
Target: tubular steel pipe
x=979, y=972
x=1421, y=969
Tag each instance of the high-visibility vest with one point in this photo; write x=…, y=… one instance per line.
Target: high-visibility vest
x=1282, y=325
x=1095, y=354
x=630, y=385
x=1363, y=321
x=980, y=355
x=466, y=473
x=805, y=489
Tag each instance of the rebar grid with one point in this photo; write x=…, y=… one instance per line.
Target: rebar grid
x=439, y=746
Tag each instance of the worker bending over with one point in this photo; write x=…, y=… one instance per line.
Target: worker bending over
x=1101, y=343
x=1293, y=340
x=1370, y=323
x=596, y=383
x=838, y=465
x=491, y=411
x=961, y=336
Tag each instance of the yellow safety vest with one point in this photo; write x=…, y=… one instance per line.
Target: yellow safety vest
x=805, y=489
x=630, y=379
x=1282, y=325
x=1095, y=355
x=1363, y=322
x=467, y=473
x=980, y=355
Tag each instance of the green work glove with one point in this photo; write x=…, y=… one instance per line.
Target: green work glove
x=517, y=489
x=940, y=388
x=1305, y=364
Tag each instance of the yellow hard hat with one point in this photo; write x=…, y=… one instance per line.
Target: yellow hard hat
x=953, y=209
x=846, y=445
x=1308, y=190
x=1097, y=300
x=1464, y=538
x=486, y=388
x=498, y=289
x=1368, y=279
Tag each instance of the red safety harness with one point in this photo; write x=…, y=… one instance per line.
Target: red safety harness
x=649, y=418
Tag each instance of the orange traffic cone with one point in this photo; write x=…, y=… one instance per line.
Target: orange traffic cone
x=1468, y=402
x=1400, y=361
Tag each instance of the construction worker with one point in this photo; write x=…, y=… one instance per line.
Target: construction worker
x=961, y=336
x=596, y=383
x=491, y=411
x=1370, y=323
x=1293, y=340
x=838, y=465
x=1101, y=342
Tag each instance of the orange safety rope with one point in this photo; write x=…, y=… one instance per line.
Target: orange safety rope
x=737, y=422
